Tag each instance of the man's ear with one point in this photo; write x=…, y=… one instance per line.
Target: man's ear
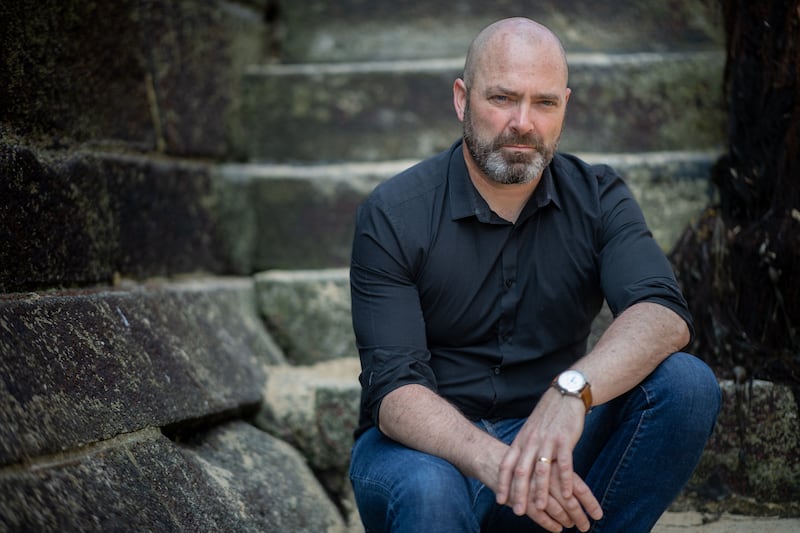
x=459, y=98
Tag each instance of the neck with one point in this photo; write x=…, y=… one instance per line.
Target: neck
x=507, y=200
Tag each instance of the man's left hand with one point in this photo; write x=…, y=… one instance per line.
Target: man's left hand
x=538, y=469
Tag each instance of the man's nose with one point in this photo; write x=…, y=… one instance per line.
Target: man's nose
x=522, y=121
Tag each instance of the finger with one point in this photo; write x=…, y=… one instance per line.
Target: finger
x=545, y=520
x=575, y=513
x=586, y=498
x=570, y=506
x=557, y=512
x=506, y=473
x=522, y=481
x=542, y=479
x=565, y=473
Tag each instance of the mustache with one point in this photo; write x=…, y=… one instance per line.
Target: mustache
x=532, y=140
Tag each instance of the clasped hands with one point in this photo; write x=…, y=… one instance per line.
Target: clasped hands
x=536, y=476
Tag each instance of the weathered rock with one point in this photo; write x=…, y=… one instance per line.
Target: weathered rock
x=148, y=75
x=77, y=219
x=68, y=68
x=195, y=112
x=294, y=217
x=232, y=478
x=139, y=482
x=266, y=480
x=308, y=313
x=81, y=367
x=314, y=408
x=645, y=103
x=755, y=450
x=56, y=227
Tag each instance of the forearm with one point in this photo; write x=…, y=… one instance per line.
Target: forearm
x=419, y=418
x=632, y=347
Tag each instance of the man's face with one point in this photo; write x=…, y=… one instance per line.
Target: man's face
x=500, y=163
x=513, y=115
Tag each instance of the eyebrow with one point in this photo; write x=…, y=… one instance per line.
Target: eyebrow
x=500, y=89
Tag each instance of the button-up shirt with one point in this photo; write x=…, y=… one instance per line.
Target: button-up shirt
x=486, y=312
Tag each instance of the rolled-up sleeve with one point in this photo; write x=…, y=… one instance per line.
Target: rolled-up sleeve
x=633, y=268
x=386, y=312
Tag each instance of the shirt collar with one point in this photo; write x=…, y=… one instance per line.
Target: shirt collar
x=465, y=201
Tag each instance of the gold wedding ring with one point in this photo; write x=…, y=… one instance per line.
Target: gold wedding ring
x=545, y=460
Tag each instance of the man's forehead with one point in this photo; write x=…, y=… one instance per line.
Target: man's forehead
x=510, y=60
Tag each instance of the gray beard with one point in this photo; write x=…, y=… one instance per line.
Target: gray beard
x=509, y=169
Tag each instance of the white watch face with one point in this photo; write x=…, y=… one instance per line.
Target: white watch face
x=571, y=381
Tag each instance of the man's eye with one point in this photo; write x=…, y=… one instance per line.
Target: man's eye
x=499, y=98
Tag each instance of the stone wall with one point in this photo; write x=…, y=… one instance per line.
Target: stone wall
x=136, y=368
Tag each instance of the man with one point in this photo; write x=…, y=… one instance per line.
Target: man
x=475, y=277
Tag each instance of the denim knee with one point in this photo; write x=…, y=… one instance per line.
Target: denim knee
x=687, y=390
x=399, y=489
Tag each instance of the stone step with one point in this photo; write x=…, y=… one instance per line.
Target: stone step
x=78, y=367
x=80, y=218
x=304, y=214
x=315, y=409
x=308, y=312
x=374, y=111
x=356, y=30
x=297, y=217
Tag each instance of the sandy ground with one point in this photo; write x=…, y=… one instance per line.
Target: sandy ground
x=726, y=523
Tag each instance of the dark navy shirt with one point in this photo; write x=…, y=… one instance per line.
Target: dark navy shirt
x=447, y=294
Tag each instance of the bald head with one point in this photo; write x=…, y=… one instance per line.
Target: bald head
x=502, y=39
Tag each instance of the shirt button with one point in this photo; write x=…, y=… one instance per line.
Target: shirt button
x=509, y=283
x=496, y=370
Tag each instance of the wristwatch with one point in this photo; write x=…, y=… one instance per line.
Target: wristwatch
x=573, y=383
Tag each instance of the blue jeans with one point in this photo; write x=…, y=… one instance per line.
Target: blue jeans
x=636, y=453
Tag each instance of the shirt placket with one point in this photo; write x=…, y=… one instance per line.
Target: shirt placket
x=508, y=305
